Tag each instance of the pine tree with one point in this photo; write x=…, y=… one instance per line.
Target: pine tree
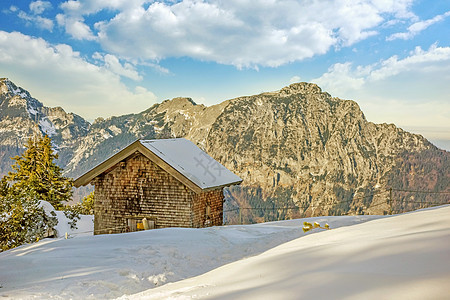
x=87, y=203
x=22, y=219
x=36, y=171
x=35, y=177
x=4, y=187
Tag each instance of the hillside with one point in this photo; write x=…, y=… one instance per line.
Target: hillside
x=370, y=257
x=298, y=147
x=385, y=258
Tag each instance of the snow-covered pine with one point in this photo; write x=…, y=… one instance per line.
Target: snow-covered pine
x=23, y=220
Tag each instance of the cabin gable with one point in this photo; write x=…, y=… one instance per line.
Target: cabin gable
x=137, y=187
x=156, y=184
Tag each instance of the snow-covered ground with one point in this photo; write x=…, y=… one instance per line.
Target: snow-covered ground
x=405, y=256
x=84, y=226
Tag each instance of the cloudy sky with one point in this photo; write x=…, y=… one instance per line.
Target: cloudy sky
x=110, y=57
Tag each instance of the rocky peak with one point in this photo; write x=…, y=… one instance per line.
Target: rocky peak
x=8, y=87
x=4, y=87
x=22, y=116
x=179, y=103
x=303, y=145
x=300, y=88
x=14, y=98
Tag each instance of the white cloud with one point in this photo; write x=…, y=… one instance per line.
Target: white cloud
x=412, y=91
x=432, y=62
x=156, y=66
x=75, y=27
x=57, y=75
x=236, y=32
x=74, y=11
x=113, y=64
x=13, y=8
x=86, y=7
x=341, y=78
x=417, y=27
x=78, y=29
x=71, y=5
x=44, y=23
x=38, y=7
x=436, y=58
x=36, y=20
x=401, y=9
x=295, y=79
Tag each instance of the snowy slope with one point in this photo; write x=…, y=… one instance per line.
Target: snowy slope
x=403, y=257
x=386, y=255
x=109, y=266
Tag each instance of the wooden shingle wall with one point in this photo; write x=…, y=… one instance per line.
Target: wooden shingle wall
x=213, y=199
x=138, y=187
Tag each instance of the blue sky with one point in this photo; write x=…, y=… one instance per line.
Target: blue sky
x=110, y=57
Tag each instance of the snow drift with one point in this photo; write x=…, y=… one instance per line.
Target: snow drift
x=405, y=256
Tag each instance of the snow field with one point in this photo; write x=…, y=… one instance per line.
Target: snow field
x=405, y=256
x=109, y=266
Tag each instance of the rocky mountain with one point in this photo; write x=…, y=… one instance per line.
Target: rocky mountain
x=297, y=148
x=22, y=116
x=300, y=147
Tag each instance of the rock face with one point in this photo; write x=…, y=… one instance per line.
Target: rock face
x=301, y=147
x=298, y=147
x=22, y=116
x=179, y=117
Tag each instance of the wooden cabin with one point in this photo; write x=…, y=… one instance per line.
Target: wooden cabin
x=157, y=184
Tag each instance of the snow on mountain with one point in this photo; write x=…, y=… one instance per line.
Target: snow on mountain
x=16, y=91
x=47, y=127
x=404, y=256
x=22, y=117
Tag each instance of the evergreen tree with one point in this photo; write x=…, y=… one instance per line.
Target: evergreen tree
x=22, y=219
x=87, y=203
x=36, y=171
x=35, y=177
x=4, y=187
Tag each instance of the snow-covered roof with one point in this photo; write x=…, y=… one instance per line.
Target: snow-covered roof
x=195, y=164
x=180, y=157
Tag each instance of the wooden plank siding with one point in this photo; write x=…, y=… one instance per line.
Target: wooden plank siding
x=136, y=186
x=213, y=199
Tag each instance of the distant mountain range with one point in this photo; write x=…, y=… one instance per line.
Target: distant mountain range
x=298, y=147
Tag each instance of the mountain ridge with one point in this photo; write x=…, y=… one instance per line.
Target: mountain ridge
x=298, y=146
